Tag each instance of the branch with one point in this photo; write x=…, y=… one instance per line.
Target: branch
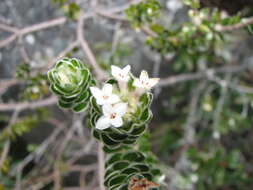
x=4, y=153
x=7, y=28
x=5, y=84
x=242, y=24
x=20, y=32
x=28, y=105
x=100, y=74
x=7, y=144
x=101, y=169
x=195, y=76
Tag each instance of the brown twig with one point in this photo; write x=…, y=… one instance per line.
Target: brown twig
x=101, y=169
x=4, y=153
x=100, y=74
x=8, y=28
x=4, y=84
x=28, y=105
x=29, y=29
x=199, y=75
x=237, y=26
x=7, y=144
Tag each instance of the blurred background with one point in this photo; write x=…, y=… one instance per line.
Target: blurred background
x=201, y=131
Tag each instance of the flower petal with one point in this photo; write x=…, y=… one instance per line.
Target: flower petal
x=107, y=89
x=117, y=122
x=96, y=92
x=107, y=109
x=101, y=101
x=115, y=70
x=144, y=76
x=137, y=83
x=103, y=123
x=152, y=82
x=113, y=99
x=126, y=70
x=120, y=108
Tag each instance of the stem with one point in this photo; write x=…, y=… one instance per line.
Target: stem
x=101, y=168
x=242, y=24
x=100, y=74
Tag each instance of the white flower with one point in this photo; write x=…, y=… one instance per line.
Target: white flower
x=121, y=74
x=145, y=82
x=174, y=5
x=112, y=116
x=104, y=96
x=149, y=11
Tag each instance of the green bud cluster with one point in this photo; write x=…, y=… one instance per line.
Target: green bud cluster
x=70, y=80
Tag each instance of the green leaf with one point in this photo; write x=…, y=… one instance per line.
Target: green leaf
x=117, y=136
x=109, y=175
x=192, y=3
x=108, y=141
x=156, y=172
x=138, y=130
x=110, y=149
x=117, y=180
x=157, y=28
x=146, y=100
x=94, y=105
x=129, y=142
x=113, y=158
x=134, y=156
x=93, y=119
x=141, y=167
x=129, y=171
x=123, y=187
x=127, y=128
x=72, y=10
x=85, y=76
x=83, y=97
x=96, y=134
x=80, y=107
x=250, y=28
x=67, y=92
x=111, y=81
x=64, y=104
x=144, y=12
x=148, y=176
x=120, y=165
x=146, y=116
x=67, y=100
x=55, y=91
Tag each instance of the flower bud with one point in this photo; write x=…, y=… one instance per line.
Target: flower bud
x=70, y=80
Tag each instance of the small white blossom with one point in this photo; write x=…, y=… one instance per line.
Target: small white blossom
x=149, y=11
x=194, y=178
x=197, y=20
x=145, y=82
x=30, y=39
x=112, y=116
x=174, y=5
x=216, y=135
x=121, y=74
x=186, y=29
x=105, y=95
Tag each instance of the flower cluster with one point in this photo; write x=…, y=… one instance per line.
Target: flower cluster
x=117, y=102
